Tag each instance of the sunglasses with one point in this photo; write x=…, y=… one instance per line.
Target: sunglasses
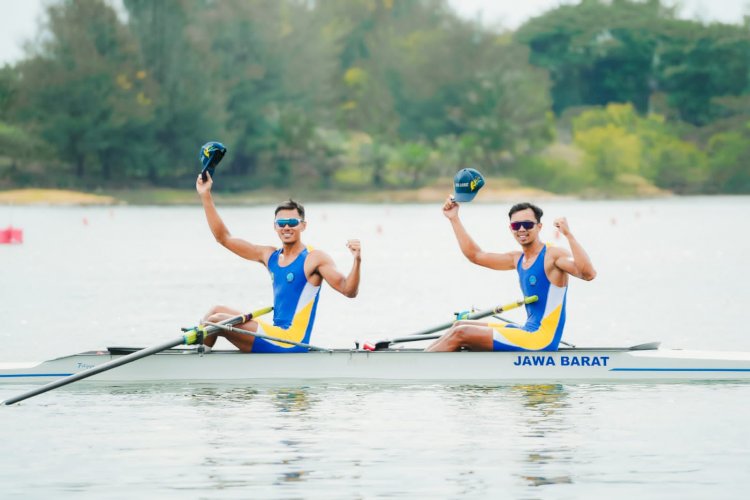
x=288, y=222
x=526, y=224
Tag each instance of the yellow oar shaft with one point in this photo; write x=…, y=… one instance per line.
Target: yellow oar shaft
x=481, y=314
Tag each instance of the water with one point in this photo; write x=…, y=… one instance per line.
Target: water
x=669, y=270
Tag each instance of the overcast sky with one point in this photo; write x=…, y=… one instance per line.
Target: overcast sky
x=21, y=17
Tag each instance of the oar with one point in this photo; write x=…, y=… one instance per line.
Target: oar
x=269, y=337
x=192, y=336
x=425, y=334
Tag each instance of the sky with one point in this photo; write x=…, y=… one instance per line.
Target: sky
x=21, y=17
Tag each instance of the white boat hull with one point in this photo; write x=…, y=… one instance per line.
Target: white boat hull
x=565, y=365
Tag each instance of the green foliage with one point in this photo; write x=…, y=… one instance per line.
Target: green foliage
x=597, y=52
x=617, y=141
x=16, y=143
x=553, y=173
x=701, y=64
x=9, y=87
x=610, y=151
x=600, y=52
x=176, y=59
x=371, y=156
x=675, y=165
x=378, y=93
x=729, y=154
x=83, y=94
x=411, y=164
x=17, y=147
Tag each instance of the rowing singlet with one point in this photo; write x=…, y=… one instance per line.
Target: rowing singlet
x=295, y=301
x=546, y=317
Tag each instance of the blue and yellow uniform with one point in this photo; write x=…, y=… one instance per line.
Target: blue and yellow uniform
x=546, y=317
x=294, y=303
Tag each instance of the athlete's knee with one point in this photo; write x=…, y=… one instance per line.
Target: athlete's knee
x=213, y=310
x=459, y=333
x=213, y=317
x=251, y=325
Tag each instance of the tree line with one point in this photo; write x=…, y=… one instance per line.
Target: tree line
x=603, y=96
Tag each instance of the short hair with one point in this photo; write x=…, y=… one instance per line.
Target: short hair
x=291, y=205
x=523, y=206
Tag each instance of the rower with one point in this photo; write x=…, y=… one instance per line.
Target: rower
x=542, y=270
x=297, y=273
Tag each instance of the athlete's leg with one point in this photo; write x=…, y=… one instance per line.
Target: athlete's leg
x=221, y=309
x=241, y=341
x=469, y=336
x=261, y=345
x=510, y=338
x=213, y=316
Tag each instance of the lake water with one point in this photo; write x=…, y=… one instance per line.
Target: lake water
x=671, y=270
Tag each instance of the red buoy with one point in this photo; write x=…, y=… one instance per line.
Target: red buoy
x=11, y=235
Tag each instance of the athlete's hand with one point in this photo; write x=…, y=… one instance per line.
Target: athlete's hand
x=202, y=186
x=561, y=223
x=450, y=208
x=355, y=248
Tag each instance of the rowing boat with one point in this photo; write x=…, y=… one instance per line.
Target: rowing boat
x=645, y=362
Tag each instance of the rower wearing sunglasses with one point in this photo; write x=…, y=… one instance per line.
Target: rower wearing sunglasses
x=542, y=270
x=297, y=273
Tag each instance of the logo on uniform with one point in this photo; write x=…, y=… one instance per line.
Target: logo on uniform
x=290, y=277
x=532, y=280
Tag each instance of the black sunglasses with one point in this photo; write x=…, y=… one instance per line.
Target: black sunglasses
x=526, y=224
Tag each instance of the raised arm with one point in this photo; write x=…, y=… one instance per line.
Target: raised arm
x=472, y=251
x=346, y=285
x=580, y=264
x=244, y=249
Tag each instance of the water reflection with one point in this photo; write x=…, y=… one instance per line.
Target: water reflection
x=296, y=400
x=545, y=418
x=537, y=430
x=212, y=395
x=544, y=481
x=265, y=431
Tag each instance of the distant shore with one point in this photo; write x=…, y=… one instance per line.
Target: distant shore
x=431, y=194
x=53, y=197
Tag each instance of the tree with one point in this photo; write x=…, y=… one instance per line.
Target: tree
x=597, y=52
x=82, y=91
x=173, y=40
x=701, y=64
x=600, y=52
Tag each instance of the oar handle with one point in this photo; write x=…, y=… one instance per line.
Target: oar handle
x=507, y=307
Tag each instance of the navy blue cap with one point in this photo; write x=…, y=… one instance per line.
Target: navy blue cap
x=210, y=156
x=467, y=184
